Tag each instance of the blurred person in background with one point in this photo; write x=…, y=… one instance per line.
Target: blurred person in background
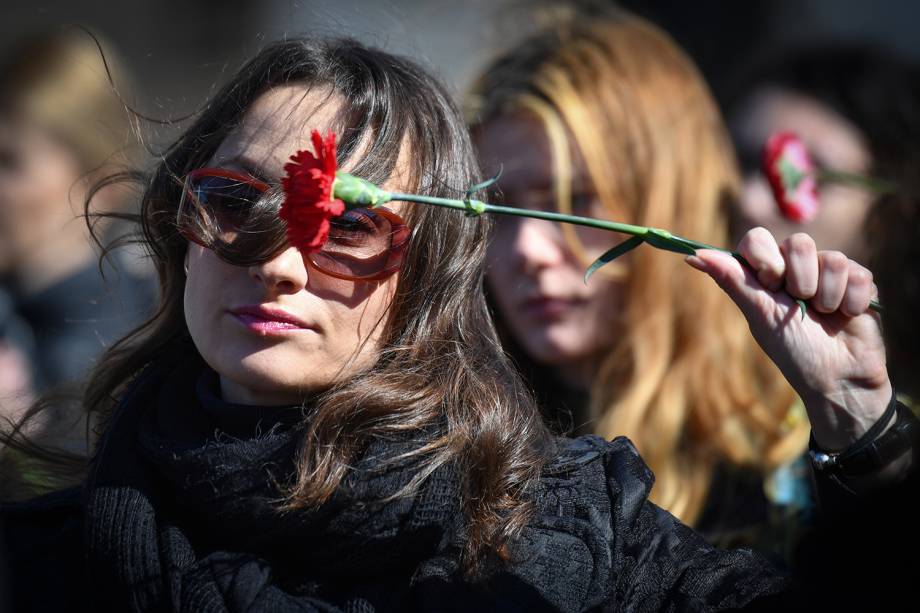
x=63, y=127
x=16, y=387
x=894, y=247
x=603, y=115
x=855, y=107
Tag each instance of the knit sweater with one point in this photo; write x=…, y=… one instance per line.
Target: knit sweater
x=180, y=514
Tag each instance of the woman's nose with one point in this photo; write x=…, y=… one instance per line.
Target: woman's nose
x=286, y=272
x=539, y=244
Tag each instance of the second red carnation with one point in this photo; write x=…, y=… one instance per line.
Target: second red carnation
x=791, y=174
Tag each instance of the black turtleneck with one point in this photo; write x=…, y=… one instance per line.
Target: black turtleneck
x=241, y=420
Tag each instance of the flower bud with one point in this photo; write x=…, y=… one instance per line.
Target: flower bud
x=791, y=175
x=356, y=192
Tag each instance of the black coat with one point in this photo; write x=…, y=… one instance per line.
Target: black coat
x=736, y=512
x=179, y=514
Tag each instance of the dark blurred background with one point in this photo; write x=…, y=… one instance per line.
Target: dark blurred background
x=180, y=50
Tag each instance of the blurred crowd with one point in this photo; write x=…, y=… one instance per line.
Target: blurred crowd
x=596, y=116
x=64, y=130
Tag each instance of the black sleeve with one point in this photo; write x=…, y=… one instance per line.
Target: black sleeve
x=223, y=582
x=834, y=494
x=598, y=544
x=659, y=564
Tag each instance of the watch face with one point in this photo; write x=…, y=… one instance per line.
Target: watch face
x=820, y=460
x=875, y=449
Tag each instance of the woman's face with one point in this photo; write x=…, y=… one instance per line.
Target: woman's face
x=332, y=324
x=835, y=144
x=38, y=190
x=533, y=273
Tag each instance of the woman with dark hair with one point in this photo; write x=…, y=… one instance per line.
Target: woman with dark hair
x=317, y=431
x=856, y=108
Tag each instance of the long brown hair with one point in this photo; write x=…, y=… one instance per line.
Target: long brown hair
x=685, y=381
x=442, y=370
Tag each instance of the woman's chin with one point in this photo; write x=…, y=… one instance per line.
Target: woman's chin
x=282, y=379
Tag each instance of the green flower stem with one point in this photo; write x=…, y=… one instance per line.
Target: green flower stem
x=476, y=205
x=656, y=237
x=355, y=191
x=878, y=186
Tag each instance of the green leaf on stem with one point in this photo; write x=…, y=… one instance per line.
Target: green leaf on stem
x=485, y=184
x=609, y=256
x=667, y=241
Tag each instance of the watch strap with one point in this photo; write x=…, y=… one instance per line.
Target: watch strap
x=871, y=451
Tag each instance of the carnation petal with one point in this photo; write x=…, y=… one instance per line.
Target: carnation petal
x=308, y=203
x=790, y=173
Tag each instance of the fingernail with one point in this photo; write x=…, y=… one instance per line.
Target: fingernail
x=696, y=262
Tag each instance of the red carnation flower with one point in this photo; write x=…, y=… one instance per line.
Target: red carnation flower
x=791, y=175
x=308, y=197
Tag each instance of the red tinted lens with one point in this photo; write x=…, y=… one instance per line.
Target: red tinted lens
x=217, y=204
x=363, y=244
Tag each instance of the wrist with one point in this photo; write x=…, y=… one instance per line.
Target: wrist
x=840, y=419
x=879, y=457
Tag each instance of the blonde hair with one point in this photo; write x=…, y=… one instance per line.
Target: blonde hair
x=61, y=82
x=685, y=381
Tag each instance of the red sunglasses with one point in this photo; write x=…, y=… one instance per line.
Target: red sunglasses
x=219, y=210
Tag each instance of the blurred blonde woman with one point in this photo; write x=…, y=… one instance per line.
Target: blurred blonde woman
x=605, y=116
x=62, y=128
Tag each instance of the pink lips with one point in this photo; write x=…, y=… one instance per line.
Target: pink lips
x=266, y=320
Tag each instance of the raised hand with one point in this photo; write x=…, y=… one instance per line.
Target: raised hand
x=834, y=356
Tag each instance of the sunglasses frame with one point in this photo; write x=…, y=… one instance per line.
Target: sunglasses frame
x=399, y=225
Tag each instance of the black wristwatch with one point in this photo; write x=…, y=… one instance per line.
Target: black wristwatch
x=872, y=451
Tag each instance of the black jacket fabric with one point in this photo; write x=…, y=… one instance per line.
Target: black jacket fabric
x=180, y=514
x=737, y=511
